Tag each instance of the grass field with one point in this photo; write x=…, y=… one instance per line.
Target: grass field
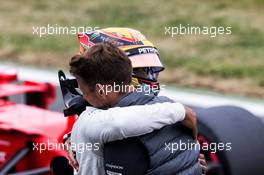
x=227, y=63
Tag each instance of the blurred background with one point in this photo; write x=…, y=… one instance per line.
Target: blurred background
x=230, y=64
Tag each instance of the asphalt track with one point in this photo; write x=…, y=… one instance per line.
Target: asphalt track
x=194, y=98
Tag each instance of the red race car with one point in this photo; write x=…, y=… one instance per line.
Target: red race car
x=30, y=134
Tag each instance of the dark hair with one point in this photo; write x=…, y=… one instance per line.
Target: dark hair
x=103, y=63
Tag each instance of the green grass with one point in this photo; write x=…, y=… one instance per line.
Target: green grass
x=239, y=55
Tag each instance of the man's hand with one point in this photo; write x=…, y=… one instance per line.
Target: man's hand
x=71, y=155
x=190, y=121
x=203, y=164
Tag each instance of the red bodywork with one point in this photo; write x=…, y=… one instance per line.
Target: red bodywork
x=29, y=125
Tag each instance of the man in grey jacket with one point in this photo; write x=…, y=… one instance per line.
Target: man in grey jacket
x=96, y=72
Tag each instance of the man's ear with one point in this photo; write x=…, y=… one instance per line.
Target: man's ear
x=100, y=90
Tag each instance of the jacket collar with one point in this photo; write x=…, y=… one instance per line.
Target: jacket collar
x=134, y=98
